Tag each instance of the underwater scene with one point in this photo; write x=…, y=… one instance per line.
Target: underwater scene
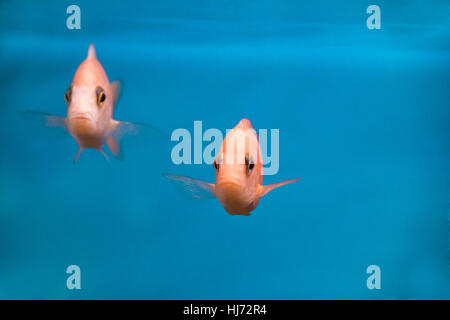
x=113, y=183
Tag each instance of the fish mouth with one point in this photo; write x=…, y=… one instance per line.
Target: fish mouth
x=229, y=183
x=233, y=197
x=81, y=116
x=229, y=188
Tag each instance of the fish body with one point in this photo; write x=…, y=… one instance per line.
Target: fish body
x=91, y=100
x=238, y=167
x=90, y=103
x=238, y=181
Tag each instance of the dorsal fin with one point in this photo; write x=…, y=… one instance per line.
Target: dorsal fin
x=91, y=51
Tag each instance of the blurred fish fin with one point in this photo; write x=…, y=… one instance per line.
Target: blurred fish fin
x=196, y=188
x=265, y=189
x=75, y=160
x=103, y=153
x=91, y=51
x=47, y=126
x=119, y=129
x=47, y=119
x=115, y=87
x=114, y=147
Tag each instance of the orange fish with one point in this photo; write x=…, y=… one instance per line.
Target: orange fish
x=91, y=99
x=238, y=165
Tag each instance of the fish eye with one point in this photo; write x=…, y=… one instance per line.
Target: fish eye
x=68, y=95
x=101, y=96
x=217, y=162
x=249, y=164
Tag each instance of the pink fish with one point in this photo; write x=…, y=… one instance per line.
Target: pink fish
x=91, y=99
x=238, y=165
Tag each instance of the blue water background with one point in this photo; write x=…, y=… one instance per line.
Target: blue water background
x=363, y=118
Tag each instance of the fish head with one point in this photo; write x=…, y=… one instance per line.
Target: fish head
x=89, y=98
x=238, y=169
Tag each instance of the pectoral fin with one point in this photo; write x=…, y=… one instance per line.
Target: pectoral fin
x=47, y=119
x=118, y=130
x=265, y=189
x=44, y=125
x=196, y=188
x=113, y=146
x=115, y=87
